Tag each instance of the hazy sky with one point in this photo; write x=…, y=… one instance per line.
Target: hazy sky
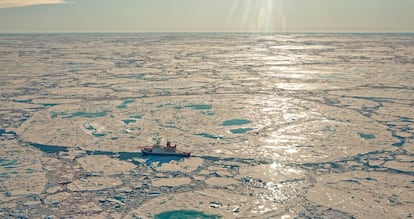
x=206, y=15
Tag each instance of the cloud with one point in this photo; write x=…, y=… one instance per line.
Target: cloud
x=23, y=3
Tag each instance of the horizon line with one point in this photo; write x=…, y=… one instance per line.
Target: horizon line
x=213, y=32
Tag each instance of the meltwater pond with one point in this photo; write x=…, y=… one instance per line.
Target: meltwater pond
x=235, y=122
x=184, y=214
x=280, y=125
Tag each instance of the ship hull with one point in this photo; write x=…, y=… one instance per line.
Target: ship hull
x=148, y=152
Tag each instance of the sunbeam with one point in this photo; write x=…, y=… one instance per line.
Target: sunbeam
x=257, y=16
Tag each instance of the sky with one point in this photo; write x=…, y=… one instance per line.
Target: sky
x=37, y=16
